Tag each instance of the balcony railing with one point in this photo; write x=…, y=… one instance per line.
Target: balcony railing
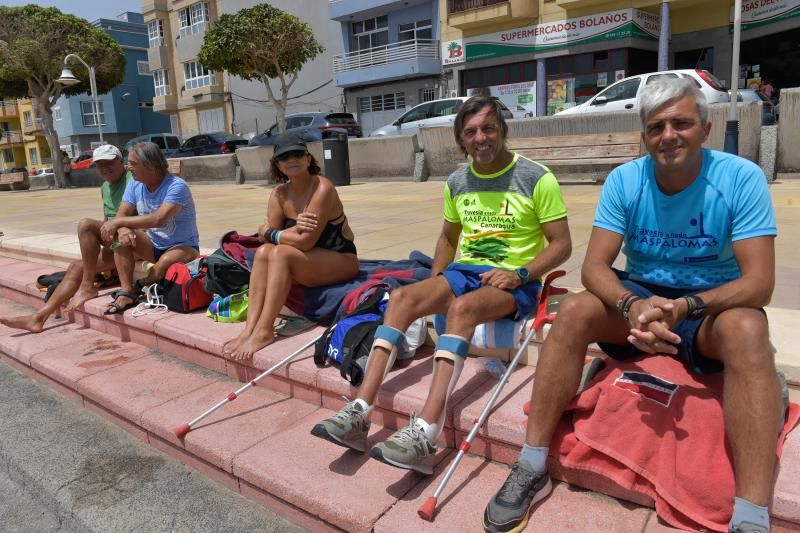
x=9, y=137
x=32, y=126
x=456, y=6
x=8, y=108
x=383, y=55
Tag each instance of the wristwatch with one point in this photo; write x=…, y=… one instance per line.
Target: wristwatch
x=524, y=275
x=697, y=307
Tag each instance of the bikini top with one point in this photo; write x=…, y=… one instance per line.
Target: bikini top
x=332, y=237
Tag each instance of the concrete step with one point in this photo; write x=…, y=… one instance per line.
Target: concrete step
x=260, y=444
x=198, y=341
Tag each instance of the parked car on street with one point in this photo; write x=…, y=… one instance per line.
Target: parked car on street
x=210, y=144
x=312, y=127
x=624, y=94
x=434, y=113
x=168, y=143
x=768, y=112
x=44, y=173
x=83, y=161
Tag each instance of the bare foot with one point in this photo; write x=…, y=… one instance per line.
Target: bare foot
x=232, y=345
x=254, y=343
x=81, y=297
x=32, y=323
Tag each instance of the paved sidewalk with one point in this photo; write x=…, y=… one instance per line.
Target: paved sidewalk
x=67, y=470
x=390, y=220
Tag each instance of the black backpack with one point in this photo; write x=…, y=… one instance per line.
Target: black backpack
x=349, y=341
x=224, y=276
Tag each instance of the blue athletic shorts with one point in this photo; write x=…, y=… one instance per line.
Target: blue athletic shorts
x=686, y=329
x=158, y=252
x=466, y=278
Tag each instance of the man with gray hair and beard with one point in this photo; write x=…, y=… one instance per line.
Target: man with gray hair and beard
x=156, y=222
x=698, y=298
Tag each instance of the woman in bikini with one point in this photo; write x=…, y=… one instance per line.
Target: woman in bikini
x=307, y=240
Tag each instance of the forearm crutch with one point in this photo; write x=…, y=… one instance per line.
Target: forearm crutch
x=542, y=317
x=180, y=431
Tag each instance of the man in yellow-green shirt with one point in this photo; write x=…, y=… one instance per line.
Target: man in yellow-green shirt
x=506, y=216
x=78, y=283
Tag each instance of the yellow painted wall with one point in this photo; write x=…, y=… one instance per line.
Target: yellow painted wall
x=40, y=143
x=685, y=15
x=708, y=15
x=18, y=150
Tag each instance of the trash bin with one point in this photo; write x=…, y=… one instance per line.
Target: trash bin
x=336, y=157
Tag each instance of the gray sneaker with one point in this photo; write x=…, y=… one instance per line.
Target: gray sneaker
x=747, y=527
x=345, y=428
x=408, y=448
x=510, y=507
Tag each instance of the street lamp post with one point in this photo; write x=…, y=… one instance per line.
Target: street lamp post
x=732, y=126
x=67, y=79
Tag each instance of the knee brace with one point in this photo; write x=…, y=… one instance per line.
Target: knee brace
x=386, y=337
x=452, y=348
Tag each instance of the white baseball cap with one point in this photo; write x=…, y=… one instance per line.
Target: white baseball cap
x=106, y=152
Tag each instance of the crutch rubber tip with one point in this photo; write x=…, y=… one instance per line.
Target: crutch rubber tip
x=527, y=407
x=427, y=509
x=180, y=431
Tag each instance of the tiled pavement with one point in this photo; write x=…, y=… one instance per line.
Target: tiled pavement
x=260, y=445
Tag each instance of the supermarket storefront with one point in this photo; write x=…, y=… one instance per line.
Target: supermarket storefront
x=561, y=63
x=770, y=47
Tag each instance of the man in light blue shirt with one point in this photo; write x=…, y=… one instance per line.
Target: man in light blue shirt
x=698, y=230
x=156, y=222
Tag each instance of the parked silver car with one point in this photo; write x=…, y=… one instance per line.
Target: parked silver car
x=312, y=126
x=434, y=113
x=624, y=95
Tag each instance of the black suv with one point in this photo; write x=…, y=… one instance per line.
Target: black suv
x=312, y=127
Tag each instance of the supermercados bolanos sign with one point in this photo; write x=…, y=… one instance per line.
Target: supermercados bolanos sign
x=620, y=24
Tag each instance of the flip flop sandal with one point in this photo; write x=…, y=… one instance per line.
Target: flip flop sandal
x=292, y=325
x=115, y=308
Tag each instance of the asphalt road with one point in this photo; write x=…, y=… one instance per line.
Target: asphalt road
x=64, y=469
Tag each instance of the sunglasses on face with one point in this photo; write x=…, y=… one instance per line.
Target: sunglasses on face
x=294, y=154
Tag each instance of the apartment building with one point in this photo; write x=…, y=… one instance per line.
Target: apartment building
x=391, y=59
x=22, y=141
x=126, y=111
x=541, y=56
x=37, y=152
x=12, y=147
x=200, y=101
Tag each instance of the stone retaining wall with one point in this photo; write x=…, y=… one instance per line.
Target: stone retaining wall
x=789, y=131
x=443, y=156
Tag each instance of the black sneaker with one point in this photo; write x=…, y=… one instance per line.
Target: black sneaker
x=509, y=509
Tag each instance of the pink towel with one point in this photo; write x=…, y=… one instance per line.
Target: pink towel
x=652, y=427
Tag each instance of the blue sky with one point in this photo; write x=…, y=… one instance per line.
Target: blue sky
x=88, y=9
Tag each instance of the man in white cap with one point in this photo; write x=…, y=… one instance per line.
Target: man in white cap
x=155, y=222
x=79, y=280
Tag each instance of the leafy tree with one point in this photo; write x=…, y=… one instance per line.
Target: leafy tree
x=261, y=43
x=37, y=39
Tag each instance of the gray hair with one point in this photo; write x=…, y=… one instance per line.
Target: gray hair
x=151, y=156
x=664, y=90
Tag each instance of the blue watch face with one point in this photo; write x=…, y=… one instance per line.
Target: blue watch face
x=523, y=273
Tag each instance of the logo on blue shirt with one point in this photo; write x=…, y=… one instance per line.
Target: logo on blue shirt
x=678, y=240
